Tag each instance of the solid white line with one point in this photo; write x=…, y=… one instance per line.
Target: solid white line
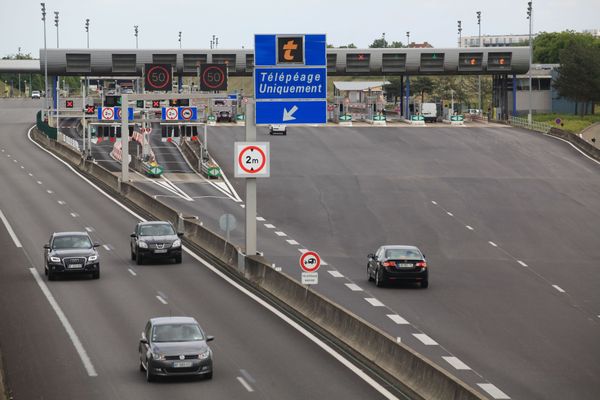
x=74, y=215
x=493, y=244
x=336, y=274
x=269, y=226
x=9, y=228
x=522, y=263
x=107, y=247
x=433, y=202
x=398, y=319
x=89, y=229
x=161, y=300
x=303, y=250
x=132, y=272
x=280, y=233
x=245, y=384
x=87, y=363
x=469, y=227
x=573, y=146
x=449, y=213
x=558, y=288
x=261, y=219
x=359, y=372
x=426, y=340
x=354, y=287
x=456, y=363
x=493, y=391
x=292, y=242
x=374, y=302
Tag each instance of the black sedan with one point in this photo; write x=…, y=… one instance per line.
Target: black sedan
x=155, y=239
x=398, y=263
x=175, y=346
x=71, y=253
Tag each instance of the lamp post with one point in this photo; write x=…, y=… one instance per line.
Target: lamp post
x=56, y=25
x=179, y=39
x=459, y=33
x=479, y=76
x=87, y=31
x=135, y=33
x=407, y=39
x=45, y=60
x=384, y=43
x=530, y=18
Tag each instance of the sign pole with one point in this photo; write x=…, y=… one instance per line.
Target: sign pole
x=250, y=186
x=124, y=139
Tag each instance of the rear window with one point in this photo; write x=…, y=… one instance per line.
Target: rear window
x=403, y=254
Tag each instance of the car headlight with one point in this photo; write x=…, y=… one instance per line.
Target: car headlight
x=204, y=356
x=142, y=245
x=92, y=258
x=176, y=243
x=158, y=356
x=55, y=259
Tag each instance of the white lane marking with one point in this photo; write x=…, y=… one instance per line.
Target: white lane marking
x=398, y=319
x=354, y=287
x=30, y=174
x=456, y=363
x=62, y=203
x=493, y=244
x=245, y=384
x=303, y=250
x=243, y=205
x=74, y=215
x=15, y=161
x=9, y=228
x=426, y=340
x=469, y=227
x=493, y=391
x=132, y=272
x=161, y=299
x=89, y=229
x=292, y=242
x=22, y=167
x=522, y=263
x=434, y=202
x=248, y=377
x=323, y=262
x=85, y=359
x=107, y=247
x=374, y=302
x=261, y=219
x=279, y=233
x=573, y=146
x=558, y=288
x=269, y=226
x=336, y=274
x=49, y=191
x=39, y=182
x=9, y=156
x=345, y=362
x=449, y=213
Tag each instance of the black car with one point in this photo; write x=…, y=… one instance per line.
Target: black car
x=224, y=116
x=398, y=263
x=175, y=346
x=71, y=253
x=155, y=239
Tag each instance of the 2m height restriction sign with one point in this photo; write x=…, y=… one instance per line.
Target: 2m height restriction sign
x=252, y=160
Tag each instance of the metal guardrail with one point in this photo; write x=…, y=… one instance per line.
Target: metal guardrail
x=534, y=126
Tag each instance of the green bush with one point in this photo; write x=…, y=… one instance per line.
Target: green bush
x=570, y=123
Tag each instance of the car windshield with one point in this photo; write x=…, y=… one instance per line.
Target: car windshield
x=403, y=254
x=156, y=230
x=176, y=333
x=72, y=242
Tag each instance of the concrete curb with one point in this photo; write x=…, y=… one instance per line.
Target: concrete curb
x=415, y=374
x=580, y=143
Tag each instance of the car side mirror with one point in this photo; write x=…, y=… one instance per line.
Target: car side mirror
x=210, y=338
x=96, y=244
x=143, y=340
x=132, y=235
x=47, y=246
x=180, y=234
x=371, y=256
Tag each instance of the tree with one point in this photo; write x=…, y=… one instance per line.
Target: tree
x=579, y=73
x=379, y=43
x=421, y=85
x=348, y=46
x=396, y=44
x=547, y=46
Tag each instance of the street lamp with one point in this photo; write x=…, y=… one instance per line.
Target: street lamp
x=479, y=76
x=135, y=33
x=87, y=30
x=45, y=60
x=459, y=33
x=56, y=25
x=530, y=18
x=384, y=43
x=407, y=39
x=179, y=39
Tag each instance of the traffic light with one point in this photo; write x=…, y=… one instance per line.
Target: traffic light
x=501, y=61
x=139, y=103
x=473, y=61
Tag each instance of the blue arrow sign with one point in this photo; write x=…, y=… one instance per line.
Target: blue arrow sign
x=290, y=83
x=291, y=112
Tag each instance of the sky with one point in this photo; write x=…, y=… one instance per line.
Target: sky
x=235, y=22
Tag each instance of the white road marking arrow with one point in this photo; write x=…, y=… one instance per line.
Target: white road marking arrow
x=288, y=115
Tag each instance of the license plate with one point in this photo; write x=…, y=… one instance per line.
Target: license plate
x=182, y=364
x=74, y=266
x=160, y=251
x=405, y=265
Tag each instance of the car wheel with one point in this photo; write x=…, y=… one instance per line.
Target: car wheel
x=149, y=375
x=369, y=274
x=46, y=270
x=209, y=375
x=138, y=258
x=425, y=284
x=178, y=260
x=132, y=255
x=51, y=275
x=142, y=369
x=378, y=279
x=96, y=274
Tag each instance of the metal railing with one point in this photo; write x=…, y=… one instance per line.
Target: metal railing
x=534, y=126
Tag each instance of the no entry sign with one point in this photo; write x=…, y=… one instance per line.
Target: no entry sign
x=310, y=261
x=251, y=160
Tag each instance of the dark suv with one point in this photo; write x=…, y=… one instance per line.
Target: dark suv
x=155, y=239
x=69, y=253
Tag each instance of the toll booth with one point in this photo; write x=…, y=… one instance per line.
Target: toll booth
x=358, y=100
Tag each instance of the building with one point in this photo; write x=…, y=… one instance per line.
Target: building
x=495, y=40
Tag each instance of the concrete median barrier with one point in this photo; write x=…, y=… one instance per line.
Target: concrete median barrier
x=586, y=147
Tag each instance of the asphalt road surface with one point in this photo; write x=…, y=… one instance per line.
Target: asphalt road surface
x=77, y=338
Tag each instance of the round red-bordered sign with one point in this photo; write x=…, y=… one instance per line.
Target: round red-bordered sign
x=186, y=113
x=108, y=113
x=249, y=152
x=171, y=113
x=155, y=83
x=118, y=113
x=330, y=107
x=310, y=261
x=212, y=84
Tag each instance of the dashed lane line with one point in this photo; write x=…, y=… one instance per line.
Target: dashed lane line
x=522, y=263
x=558, y=288
x=456, y=363
x=425, y=339
x=493, y=391
x=469, y=227
x=159, y=298
x=398, y=319
x=132, y=272
x=354, y=287
x=292, y=242
x=303, y=250
x=493, y=244
x=279, y=233
x=245, y=384
x=335, y=274
x=260, y=219
x=374, y=302
x=269, y=226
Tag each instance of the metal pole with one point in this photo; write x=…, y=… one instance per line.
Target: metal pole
x=479, y=76
x=135, y=30
x=87, y=30
x=57, y=104
x=124, y=139
x=459, y=33
x=407, y=39
x=45, y=61
x=530, y=17
x=250, y=185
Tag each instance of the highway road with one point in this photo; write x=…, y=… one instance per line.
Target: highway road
x=77, y=338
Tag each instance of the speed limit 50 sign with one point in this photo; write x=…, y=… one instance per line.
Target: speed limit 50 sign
x=213, y=77
x=252, y=160
x=158, y=77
